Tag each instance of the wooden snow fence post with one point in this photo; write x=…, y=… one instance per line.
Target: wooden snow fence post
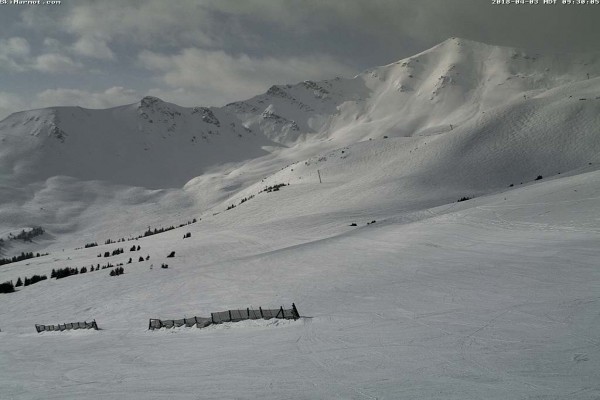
x=261, y=313
x=248, y=311
x=280, y=311
x=230, y=319
x=212, y=317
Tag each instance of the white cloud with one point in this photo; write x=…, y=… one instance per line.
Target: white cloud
x=52, y=44
x=140, y=22
x=15, y=46
x=90, y=46
x=13, y=53
x=55, y=63
x=219, y=77
x=114, y=96
x=15, y=56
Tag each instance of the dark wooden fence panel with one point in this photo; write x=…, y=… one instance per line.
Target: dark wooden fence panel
x=226, y=316
x=73, y=325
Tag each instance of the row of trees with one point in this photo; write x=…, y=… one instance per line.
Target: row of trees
x=31, y=281
x=9, y=287
x=26, y=236
x=23, y=256
x=149, y=232
x=117, y=271
x=154, y=231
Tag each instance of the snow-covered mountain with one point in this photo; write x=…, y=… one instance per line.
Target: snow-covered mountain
x=158, y=144
x=463, y=117
x=411, y=293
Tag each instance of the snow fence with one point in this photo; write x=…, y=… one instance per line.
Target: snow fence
x=226, y=316
x=69, y=326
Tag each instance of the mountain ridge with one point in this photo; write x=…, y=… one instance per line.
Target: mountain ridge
x=494, y=115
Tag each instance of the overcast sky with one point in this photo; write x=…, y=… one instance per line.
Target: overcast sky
x=100, y=54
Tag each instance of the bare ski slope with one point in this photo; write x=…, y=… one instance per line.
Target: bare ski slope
x=495, y=297
x=488, y=298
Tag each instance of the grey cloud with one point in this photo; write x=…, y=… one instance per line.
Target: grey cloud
x=111, y=97
x=221, y=77
x=214, y=51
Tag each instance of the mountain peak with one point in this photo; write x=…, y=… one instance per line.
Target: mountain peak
x=150, y=101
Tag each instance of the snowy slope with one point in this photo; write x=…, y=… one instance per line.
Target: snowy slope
x=494, y=297
x=493, y=115
x=489, y=298
x=150, y=144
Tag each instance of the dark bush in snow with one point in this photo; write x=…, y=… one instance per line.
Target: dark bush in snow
x=64, y=272
x=7, y=287
x=117, y=271
x=171, y=255
x=539, y=177
x=34, y=279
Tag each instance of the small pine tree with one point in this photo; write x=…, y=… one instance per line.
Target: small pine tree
x=19, y=282
x=171, y=255
x=141, y=259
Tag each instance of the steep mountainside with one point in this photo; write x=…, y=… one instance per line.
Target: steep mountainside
x=460, y=119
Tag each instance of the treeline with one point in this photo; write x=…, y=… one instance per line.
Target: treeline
x=149, y=232
x=9, y=287
x=26, y=236
x=31, y=281
x=65, y=272
x=267, y=189
x=118, y=251
x=23, y=256
x=273, y=188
